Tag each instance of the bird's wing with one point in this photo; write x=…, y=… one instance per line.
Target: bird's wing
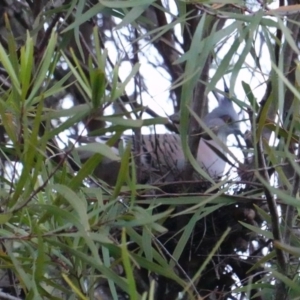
x=161, y=151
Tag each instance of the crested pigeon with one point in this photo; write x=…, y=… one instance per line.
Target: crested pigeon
x=161, y=155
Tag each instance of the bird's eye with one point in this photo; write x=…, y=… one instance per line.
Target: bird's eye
x=227, y=119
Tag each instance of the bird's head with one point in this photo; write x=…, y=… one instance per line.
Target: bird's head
x=223, y=120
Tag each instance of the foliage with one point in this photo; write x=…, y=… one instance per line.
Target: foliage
x=67, y=234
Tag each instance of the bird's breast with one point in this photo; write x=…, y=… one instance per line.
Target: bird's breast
x=209, y=160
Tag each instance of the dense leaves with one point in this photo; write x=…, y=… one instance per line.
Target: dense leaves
x=73, y=68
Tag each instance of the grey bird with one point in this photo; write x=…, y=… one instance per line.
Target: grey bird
x=161, y=155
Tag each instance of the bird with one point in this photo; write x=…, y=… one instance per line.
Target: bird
x=161, y=158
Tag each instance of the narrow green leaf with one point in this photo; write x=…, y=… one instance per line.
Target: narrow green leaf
x=99, y=148
x=289, y=283
x=224, y=65
x=107, y=261
x=141, y=218
x=12, y=44
x=4, y=218
x=137, y=238
x=130, y=123
x=250, y=30
x=101, y=54
x=98, y=84
x=79, y=74
x=287, y=35
x=185, y=236
x=43, y=71
x=263, y=117
x=4, y=58
x=73, y=287
x=123, y=4
x=123, y=172
x=76, y=202
x=100, y=237
x=57, y=87
x=39, y=266
x=131, y=16
x=91, y=260
x=128, y=269
x=119, y=89
x=209, y=257
x=147, y=243
x=25, y=278
x=262, y=261
x=258, y=230
x=286, y=81
x=263, y=213
x=86, y=16
x=27, y=66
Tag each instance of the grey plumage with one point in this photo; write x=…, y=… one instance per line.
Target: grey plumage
x=223, y=119
x=161, y=157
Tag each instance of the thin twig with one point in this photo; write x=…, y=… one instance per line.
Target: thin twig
x=263, y=174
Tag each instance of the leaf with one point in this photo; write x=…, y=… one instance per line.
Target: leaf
x=287, y=281
x=128, y=269
x=99, y=148
x=209, y=257
x=93, y=261
x=98, y=84
x=4, y=218
x=250, y=96
x=119, y=89
x=44, y=68
x=262, y=261
x=27, y=65
x=129, y=123
x=131, y=16
x=86, y=16
x=258, y=230
x=249, y=38
x=295, y=251
x=124, y=4
x=123, y=171
x=77, y=203
x=191, y=70
x=73, y=287
x=79, y=74
x=4, y=58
